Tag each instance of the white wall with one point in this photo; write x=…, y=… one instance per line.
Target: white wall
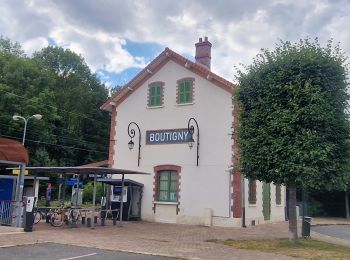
x=205, y=186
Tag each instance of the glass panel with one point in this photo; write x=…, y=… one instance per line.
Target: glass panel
x=163, y=185
x=173, y=176
x=172, y=196
x=164, y=175
x=173, y=186
x=163, y=195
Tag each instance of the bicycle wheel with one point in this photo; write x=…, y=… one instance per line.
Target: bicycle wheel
x=57, y=219
x=37, y=217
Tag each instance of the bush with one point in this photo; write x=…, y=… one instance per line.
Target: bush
x=88, y=192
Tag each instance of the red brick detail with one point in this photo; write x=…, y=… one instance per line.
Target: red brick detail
x=112, y=137
x=237, y=177
x=166, y=167
x=178, y=82
x=156, y=83
x=203, y=52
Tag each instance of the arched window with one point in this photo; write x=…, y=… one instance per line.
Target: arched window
x=167, y=186
x=167, y=183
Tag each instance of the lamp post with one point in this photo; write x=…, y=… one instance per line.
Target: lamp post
x=131, y=133
x=17, y=117
x=20, y=178
x=191, y=142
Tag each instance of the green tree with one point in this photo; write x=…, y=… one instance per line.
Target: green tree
x=26, y=89
x=9, y=47
x=293, y=120
x=78, y=96
x=88, y=192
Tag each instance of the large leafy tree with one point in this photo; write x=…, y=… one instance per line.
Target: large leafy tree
x=293, y=118
x=78, y=96
x=26, y=89
x=58, y=84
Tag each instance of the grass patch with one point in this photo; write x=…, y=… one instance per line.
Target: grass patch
x=306, y=248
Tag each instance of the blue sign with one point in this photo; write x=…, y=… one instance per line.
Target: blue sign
x=73, y=182
x=169, y=136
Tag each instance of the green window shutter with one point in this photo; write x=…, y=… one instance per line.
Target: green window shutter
x=155, y=95
x=185, y=92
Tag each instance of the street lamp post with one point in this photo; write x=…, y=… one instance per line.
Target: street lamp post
x=131, y=133
x=17, y=117
x=190, y=128
x=20, y=178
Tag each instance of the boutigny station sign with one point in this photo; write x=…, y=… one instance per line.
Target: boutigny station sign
x=168, y=136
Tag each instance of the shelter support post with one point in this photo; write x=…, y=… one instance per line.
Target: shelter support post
x=93, y=204
x=121, y=203
x=19, y=195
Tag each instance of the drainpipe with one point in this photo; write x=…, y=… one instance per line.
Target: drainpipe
x=243, y=202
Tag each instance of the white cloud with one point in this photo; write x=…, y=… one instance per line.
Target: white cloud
x=237, y=28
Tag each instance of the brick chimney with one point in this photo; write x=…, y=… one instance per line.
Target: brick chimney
x=203, y=52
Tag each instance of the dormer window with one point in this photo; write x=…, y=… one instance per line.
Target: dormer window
x=185, y=91
x=155, y=94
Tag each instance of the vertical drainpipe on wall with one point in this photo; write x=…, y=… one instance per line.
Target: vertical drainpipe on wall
x=243, y=203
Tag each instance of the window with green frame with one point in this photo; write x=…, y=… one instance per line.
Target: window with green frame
x=252, y=192
x=278, y=194
x=167, y=186
x=185, y=92
x=155, y=95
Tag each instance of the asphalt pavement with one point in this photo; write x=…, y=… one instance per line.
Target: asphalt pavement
x=54, y=251
x=338, y=231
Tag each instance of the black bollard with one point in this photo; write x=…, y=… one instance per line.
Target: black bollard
x=88, y=222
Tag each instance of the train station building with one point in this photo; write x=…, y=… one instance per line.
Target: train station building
x=176, y=119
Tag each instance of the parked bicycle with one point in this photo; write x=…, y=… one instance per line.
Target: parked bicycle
x=57, y=216
x=42, y=213
x=69, y=216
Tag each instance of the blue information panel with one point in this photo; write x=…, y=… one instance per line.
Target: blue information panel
x=169, y=136
x=73, y=182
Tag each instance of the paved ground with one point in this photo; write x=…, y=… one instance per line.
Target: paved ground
x=190, y=242
x=54, y=251
x=338, y=231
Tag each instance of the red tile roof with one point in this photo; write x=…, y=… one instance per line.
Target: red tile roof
x=122, y=93
x=13, y=151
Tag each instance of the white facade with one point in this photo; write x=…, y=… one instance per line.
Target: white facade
x=205, y=191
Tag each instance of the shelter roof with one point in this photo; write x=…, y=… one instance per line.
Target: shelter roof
x=12, y=151
x=26, y=177
x=82, y=170
x=127, y=182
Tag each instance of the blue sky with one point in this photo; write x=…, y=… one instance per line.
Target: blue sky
x=147, y=50
x=117, y=38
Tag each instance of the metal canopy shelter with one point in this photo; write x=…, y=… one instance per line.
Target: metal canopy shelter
x=13, y=153
x=89, y=170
